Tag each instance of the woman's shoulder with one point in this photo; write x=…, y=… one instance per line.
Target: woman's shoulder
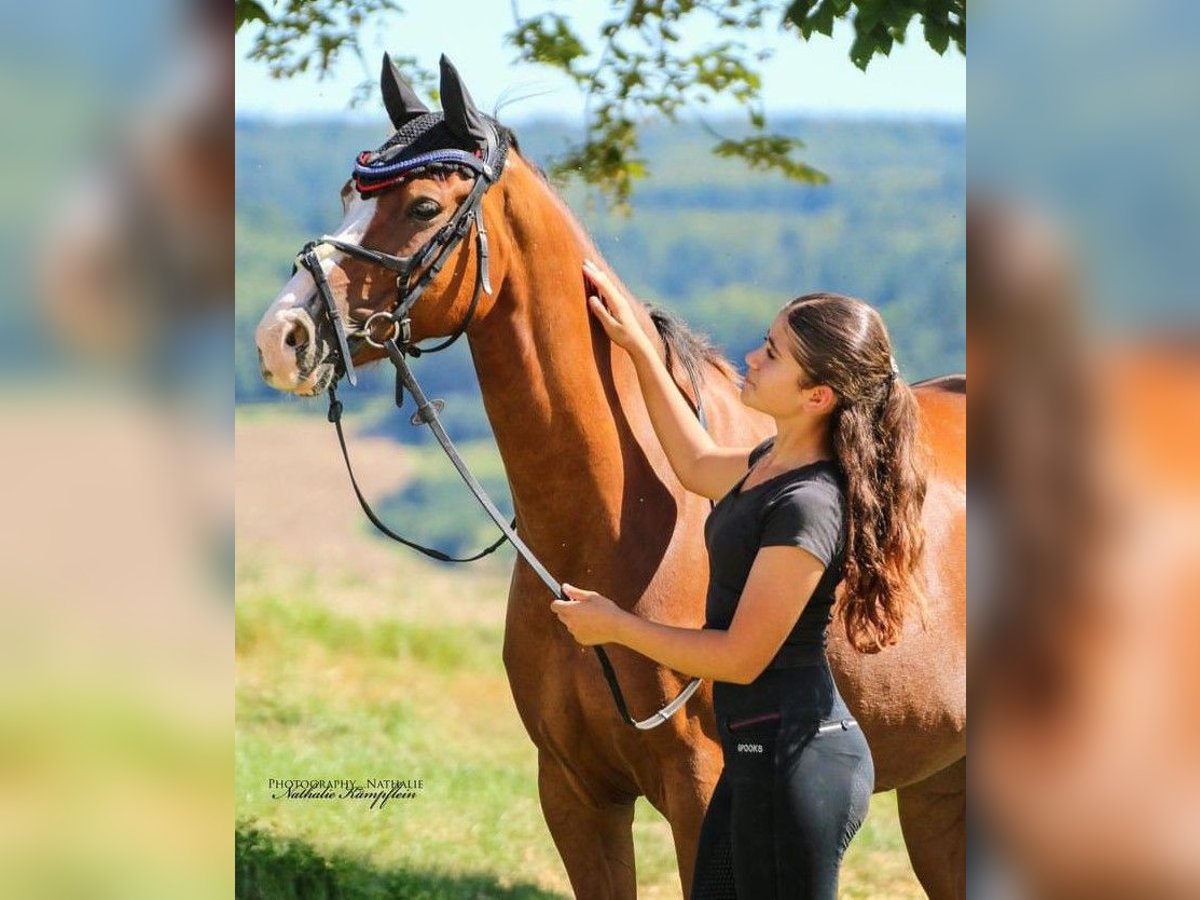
x=815, y=491
x=819, y=481
x=807, y=510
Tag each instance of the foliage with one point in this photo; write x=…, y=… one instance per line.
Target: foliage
x=878, y=24
x=639, y=66
x=304, y=35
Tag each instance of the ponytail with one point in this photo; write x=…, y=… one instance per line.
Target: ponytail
x=843, y=343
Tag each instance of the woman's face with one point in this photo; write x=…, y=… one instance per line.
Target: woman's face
x=773, y=377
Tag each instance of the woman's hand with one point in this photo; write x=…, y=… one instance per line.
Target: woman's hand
x=613, y=309
x=590, y=617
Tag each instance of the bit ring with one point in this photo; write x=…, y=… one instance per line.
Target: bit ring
x=369, y=326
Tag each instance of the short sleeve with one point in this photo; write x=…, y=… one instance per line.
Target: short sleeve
x=807, y=515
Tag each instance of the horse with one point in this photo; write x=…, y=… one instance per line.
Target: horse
x=596, y=500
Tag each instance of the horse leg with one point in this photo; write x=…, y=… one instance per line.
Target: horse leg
x=594, y=838
x=933, y=818
x=683, y=802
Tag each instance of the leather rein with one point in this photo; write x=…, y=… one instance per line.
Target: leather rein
x=391, y=332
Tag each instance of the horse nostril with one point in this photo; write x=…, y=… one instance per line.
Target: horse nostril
x=296, y=336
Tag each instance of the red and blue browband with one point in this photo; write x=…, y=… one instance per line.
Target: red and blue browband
x=373, y=176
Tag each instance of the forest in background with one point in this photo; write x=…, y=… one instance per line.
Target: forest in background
x=722, y=246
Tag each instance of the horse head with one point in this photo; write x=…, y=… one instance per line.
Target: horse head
x=410, y=259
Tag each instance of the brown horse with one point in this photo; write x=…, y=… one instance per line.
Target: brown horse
x=1085, y=665
x=596, y=500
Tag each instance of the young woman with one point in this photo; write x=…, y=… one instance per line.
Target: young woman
x=835, y=496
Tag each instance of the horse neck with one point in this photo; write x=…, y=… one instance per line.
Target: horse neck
x=550, y=379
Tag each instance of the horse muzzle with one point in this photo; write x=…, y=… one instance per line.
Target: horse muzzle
x=296, y=352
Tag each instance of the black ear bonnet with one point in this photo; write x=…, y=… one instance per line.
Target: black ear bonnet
x=422, y=144
x=460, y=138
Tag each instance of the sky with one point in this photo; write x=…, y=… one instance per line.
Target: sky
x=816, y=77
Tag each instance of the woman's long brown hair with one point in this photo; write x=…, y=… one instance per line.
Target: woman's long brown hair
x=842, y=343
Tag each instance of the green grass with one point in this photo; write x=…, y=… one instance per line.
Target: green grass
x=333, y=686
x=269, y=866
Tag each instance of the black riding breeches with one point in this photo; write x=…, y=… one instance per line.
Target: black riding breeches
x=797, y=781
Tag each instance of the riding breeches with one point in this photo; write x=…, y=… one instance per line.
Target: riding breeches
x=797, y=781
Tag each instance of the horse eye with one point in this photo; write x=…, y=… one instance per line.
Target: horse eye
x=424, y=209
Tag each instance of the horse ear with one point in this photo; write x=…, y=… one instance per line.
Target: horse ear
x=400, y=100
x=462, y=117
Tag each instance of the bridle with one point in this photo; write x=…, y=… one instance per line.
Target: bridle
x=413, y=273
x=391, y=331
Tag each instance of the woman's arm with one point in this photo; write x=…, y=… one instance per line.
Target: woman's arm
x=779, y=585
x=700, y=465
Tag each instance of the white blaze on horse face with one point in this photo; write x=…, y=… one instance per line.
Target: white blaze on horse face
x=292, y=310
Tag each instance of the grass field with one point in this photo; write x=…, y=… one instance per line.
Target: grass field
x=356, y=661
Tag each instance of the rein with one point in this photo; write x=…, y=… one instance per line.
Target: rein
x=396, y=342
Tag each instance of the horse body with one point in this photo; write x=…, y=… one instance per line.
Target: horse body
x=597, y=502
x=911, y=698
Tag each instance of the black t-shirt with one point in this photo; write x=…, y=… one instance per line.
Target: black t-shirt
x=799, y=508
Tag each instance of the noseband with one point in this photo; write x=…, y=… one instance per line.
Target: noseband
x=413, y=275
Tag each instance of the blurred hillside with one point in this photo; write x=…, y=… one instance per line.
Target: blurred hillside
x=719, y=245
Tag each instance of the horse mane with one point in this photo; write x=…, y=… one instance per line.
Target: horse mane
x=691, y=348
x=953, y=384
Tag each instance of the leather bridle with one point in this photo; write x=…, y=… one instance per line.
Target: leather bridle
x=413, y=275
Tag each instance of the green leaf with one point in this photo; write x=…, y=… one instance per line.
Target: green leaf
x=897, y=15
x=869, y=13
x=823, y=18
x=798, y=12
x=548, y=39
x=862, y=50
x=937, y=35
x=248, y=11
x=771, y=152
x=641, y=73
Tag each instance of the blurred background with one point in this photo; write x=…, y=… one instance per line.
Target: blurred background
x=1084, y=351
x=116, y=356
